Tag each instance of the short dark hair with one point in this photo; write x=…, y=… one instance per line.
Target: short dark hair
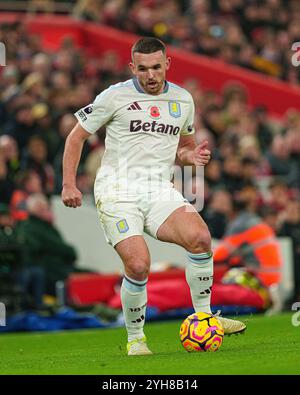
x=148, y=45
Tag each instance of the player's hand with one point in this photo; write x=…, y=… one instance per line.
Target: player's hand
x=201, y=155
x=71, y=196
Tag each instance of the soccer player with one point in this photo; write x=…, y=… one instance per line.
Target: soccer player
x=149, y=121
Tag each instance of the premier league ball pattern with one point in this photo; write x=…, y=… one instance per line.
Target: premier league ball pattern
x=201, y=332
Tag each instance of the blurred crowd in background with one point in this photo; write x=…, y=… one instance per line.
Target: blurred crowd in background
x=255, y=34
x=255, y=159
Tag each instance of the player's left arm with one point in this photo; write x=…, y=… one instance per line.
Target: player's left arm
x=190, y=153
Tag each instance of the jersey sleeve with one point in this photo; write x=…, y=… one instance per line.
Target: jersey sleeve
x=96, y=114
x=188, y=127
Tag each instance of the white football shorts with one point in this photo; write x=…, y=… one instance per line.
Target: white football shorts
x=145, y=213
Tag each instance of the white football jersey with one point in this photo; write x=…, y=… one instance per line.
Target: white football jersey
x=142, y=135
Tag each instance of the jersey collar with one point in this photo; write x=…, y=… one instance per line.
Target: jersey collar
x=139, y=88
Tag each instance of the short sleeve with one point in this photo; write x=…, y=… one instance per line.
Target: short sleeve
x=96, y=114
x=188, y=127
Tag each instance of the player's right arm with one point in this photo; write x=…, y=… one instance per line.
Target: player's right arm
x=90, y=119
x=71, y=196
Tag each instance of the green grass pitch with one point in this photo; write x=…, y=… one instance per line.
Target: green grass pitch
x=271, y=345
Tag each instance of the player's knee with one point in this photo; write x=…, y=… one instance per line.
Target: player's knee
x=200, y=241
x=138, y=268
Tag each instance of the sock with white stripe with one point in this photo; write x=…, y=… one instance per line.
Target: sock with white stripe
x=134, y=302
x=199, y=276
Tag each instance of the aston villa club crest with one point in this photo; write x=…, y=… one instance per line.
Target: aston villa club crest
x=174, y=109
x=154, y=112
x=122, y=226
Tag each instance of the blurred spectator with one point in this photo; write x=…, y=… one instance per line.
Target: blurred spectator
x=264, y=132
x=27, y=182
x=290, y=227
x=292, y=138
x=11, y=257
x=280, y=162
x=41, y=65
x=8, y=240
x=269, y=216
x=89, y=10
x=41, y=6
x=279, y=195
x=6, y=184
x=213, y=174
x=250, y=196
x=213, y=121
x=250, y=242
x=110, y=69
x=249, y=170
x=21, y=126
x=21, y=281
x=45, y=127
x=218, y=213
x=35, y=158
x=33, y=85
x=10, y=154
x=232, y=173
x=44, y=245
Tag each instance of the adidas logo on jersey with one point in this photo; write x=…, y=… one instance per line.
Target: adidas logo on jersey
x=134, y=106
